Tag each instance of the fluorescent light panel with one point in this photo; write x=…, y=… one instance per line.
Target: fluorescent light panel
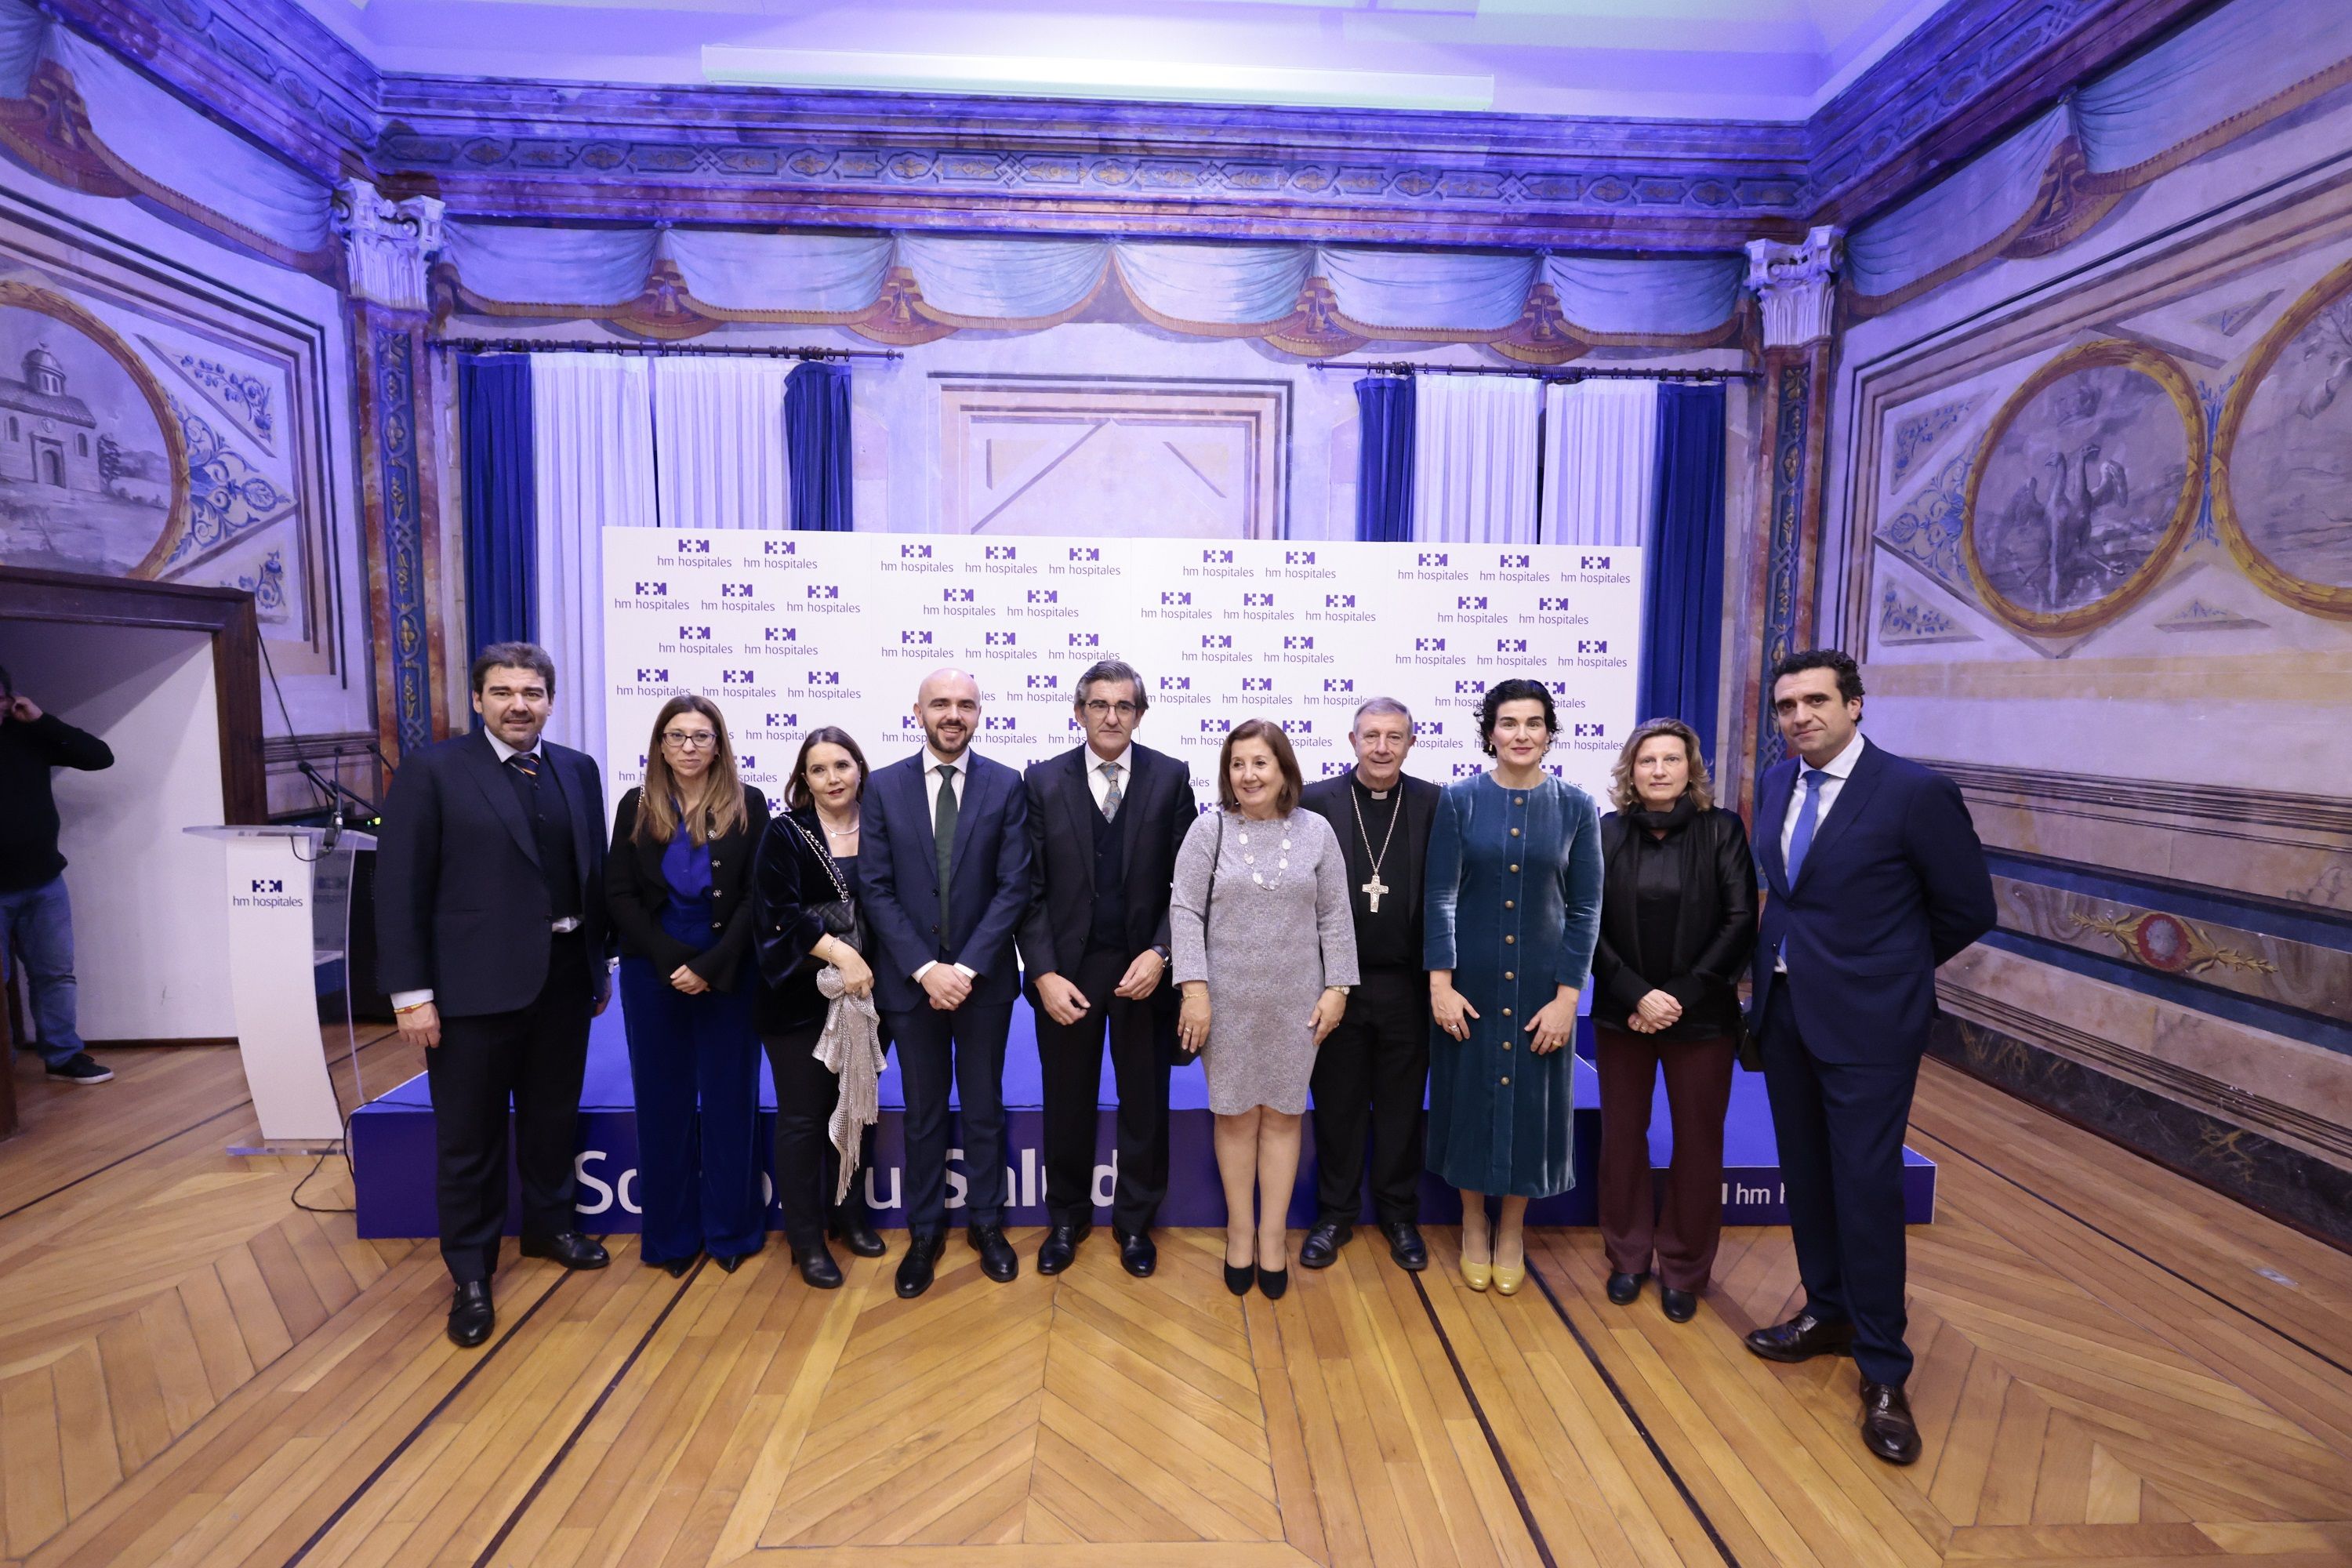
x=1041, y=76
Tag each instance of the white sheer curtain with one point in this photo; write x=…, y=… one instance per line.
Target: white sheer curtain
x=719, y=429
x=1473, y=458
x=592, y=456
x=1601, y=442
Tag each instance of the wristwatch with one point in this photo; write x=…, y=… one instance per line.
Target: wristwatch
x=1164, y=956
x=1342, y=990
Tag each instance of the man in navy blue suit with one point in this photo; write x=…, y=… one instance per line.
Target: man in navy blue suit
x=1875, y=877
x=944, y=860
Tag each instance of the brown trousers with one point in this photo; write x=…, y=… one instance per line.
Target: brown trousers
x=1681, y=1233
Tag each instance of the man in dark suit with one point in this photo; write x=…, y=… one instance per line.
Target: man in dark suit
x=944, y=857
x=491, y=941
x=1873, y=876
x=1105, y=820
x=1372, y=1076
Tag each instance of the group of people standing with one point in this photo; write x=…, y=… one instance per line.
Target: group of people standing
x=1372, y=939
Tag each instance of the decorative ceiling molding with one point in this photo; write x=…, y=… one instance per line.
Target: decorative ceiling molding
x=729, y=154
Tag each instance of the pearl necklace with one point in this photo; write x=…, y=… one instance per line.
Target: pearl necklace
x=1249, y=858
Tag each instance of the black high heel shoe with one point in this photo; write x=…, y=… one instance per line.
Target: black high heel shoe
x=676, y=1267
x=1273, y=1281
x=1240, y=1276
x=730, y=1264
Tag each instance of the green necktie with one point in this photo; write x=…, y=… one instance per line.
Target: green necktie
x=943, y=824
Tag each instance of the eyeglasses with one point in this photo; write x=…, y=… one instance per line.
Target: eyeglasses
x=690, y=740
x=1098, y=709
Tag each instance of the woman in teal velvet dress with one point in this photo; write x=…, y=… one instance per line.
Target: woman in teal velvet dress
x=1513, y=909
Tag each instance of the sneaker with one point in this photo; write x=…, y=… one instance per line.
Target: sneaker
x=79, y=1068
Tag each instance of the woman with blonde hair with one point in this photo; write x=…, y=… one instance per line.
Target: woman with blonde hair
x=677, y=883
x=1677, y=924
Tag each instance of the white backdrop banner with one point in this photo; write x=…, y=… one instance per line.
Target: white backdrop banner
x=788, y=631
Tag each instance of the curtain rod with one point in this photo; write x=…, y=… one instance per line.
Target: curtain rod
x=550, y=345
x=1406, y=367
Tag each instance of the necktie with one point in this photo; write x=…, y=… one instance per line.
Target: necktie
x=1111, y=796
x=1808, y=816
x=526, y=764
x=943, y=827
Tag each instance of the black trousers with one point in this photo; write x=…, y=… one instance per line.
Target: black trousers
x=535, y=1056
x=1840, y=1128
x=807, y=1166
x=1372, y=1076
x=1069, y=1057
x=966, y=1047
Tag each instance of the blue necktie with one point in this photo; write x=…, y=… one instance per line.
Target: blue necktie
x=1808, y=816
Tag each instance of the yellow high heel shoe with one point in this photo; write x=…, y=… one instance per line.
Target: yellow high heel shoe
x=1509, y=1280
x=1477, y=1276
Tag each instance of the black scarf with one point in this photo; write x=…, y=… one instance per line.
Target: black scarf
x=1669, y=822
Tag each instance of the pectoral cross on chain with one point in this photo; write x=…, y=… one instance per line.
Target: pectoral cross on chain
x=1373, y=889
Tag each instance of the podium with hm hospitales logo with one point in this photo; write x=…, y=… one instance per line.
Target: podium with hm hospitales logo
x=277, y=937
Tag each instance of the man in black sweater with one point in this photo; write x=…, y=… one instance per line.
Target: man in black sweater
x=35, y=919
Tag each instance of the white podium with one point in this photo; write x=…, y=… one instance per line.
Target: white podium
x=275, y=949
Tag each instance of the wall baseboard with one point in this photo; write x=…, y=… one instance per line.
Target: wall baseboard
x=2287, y=1185
x=186, y=1040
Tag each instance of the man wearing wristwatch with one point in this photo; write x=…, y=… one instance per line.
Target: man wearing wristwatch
x=1106, y=819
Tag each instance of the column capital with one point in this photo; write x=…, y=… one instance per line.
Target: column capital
x=1794, y=285
x=387, y=245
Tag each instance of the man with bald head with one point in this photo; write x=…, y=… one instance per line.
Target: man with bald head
x=944, y=862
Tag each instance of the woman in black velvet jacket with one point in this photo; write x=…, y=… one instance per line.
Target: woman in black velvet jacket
x=807, y=864
x=1677, y=924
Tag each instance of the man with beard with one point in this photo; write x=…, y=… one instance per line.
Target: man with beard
x=945, y=856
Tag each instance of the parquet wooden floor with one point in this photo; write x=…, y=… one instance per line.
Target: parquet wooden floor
x=2116, y=1366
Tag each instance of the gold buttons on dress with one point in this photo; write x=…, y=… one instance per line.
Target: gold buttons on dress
x=1508, y=905
x=1515, y=866
x=1509, y=941
x=1507, y=973
x=1506, y=1045
x=1506, y=1012
x=1518, y=800
x=1506, y=1083
x=1515, y=833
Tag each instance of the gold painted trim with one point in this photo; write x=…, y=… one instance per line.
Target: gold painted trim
x=2331, y=600
x=2090, y=357
x=57, y=306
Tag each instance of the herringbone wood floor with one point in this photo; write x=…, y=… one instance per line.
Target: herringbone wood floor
x=2116, y=1366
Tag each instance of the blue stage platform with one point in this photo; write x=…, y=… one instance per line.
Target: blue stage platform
x=392, y=1150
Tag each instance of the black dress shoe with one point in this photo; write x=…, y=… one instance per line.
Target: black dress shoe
x=1680, y=1306
x=1273, y=1281
x=819, y=1271
x=1060, y=1247
x=471, y=1317
x=915, y=1269
x=1138, y=1253
x=570, y=1248
x=852, y=1231
x=729, y=1261
x=1801, y=1337
x=1625, y=1288
x=1406, y=1249
x=676, y=1267
x=997, y=1259
x=1321, y=1248
x=1888, y=1428
x=1240, y=1276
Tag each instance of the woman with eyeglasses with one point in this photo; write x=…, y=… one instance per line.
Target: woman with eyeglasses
x=678, y=885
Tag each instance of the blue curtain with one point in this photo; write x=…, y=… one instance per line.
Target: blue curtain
x=501, y=499
x=816, y=428
x=1385, y=459
x=1682, y=619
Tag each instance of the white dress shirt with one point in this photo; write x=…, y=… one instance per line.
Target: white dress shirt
x=1121, y=769
x=958, y=772
x=1839, y=768
x=402, y=1000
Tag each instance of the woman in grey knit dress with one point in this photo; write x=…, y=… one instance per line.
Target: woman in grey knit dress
x=1262, y=930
